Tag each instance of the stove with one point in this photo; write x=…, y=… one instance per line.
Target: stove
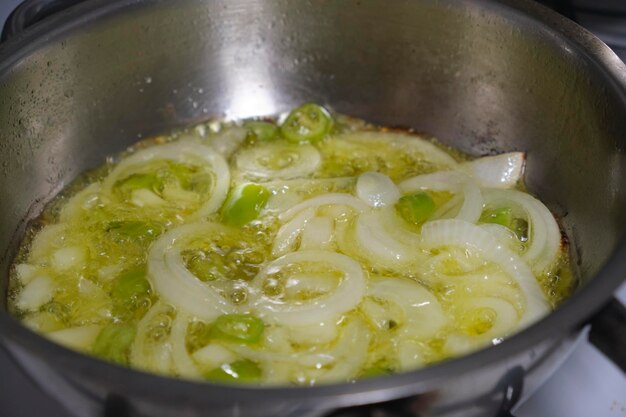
x=586, y=385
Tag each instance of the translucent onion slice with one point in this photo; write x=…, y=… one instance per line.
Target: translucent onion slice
x=287, y=236
x=453, y=232
x=452, y=181
x=350, y=353
x=339, y=199
x=84, y=200
x=379, y=243
x=187, y=151
x=226, y=141
x=505, y=319
x=499, y=171
x=423, y=314
x=544, y=234
x=345, y=297
x=341, y=362
x=175, y=283
x=79, y=338
x=36, y=293
x=286, y=194
x=503, y=234
x=183, y=364
x=376, y=189
x=147, y=352
x=429, y=151
x=317, y=234
x=262, y=162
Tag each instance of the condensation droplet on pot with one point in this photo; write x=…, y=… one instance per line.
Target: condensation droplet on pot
x=148, y=80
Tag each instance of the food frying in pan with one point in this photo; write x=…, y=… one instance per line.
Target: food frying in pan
x=308, y=249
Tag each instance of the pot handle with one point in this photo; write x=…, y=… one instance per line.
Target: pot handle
x=30, y=12
x=608, y=332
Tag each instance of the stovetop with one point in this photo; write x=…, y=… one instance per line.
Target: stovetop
x=586, y=385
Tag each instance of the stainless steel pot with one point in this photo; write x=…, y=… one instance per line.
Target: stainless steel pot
x=484, y=76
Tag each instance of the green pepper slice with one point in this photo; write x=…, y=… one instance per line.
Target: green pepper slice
x=130, y=284
x=263, y=131
x=238, y=371
x=245, y=204
x=240, y=328
x=416, y=208
x=308, y=123
x=113, y=342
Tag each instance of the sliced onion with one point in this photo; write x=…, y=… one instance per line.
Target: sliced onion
x=451, y=181
x=148, y=354
x=376, y=189
x=183, y=364
x=506, y=316
x=84, y=200
x=329, y=307
x=499, y=171
x=317, y=234
x=302, y=160
x=26, y=272
x=184, y=150
x=460, y=233
x=50, y=237
x=406, y=142
x=294, y=358
x=315, y=334
x=339, y=199
x=287, y=236
x=380, y=245
x=36, y=293
x=213, y=355
x=286, y=194
x=340, y=362
x=503, y=234
x=544, y=235
x=410, y=354
x=424, y=316
x=226, y=141
x=350, y=354
x=175, y=283
x=79, y=338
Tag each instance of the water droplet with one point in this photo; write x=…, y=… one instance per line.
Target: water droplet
x=148, y=80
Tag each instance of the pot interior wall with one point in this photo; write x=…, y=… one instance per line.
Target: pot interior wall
x=479, y=80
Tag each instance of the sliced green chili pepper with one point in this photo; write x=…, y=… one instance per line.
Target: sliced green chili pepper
x=241, y=328
x=502, y=216
x=308, y=123
x=263, y=131
x=244, y=204
x=113, y=342
x=416, y=208
x=239, y=371
x=134, y=229
x=130, y=284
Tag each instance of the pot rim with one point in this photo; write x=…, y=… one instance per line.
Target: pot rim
x=572, y=313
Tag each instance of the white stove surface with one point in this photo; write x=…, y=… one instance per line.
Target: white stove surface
x=586, y=385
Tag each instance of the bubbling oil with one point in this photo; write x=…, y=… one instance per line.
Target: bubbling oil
x=240, y=255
